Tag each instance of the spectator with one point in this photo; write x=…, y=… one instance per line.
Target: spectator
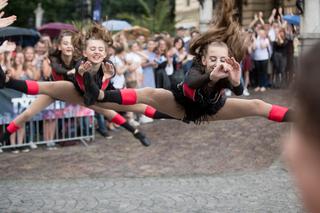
x=261, y=56
x=17, y=72
x=247, y=65
x=161, y=76
x=134, y=75
x=30, y=66
x=280, y=51
x=149, y=65
x=179, y=58
x=257, y=20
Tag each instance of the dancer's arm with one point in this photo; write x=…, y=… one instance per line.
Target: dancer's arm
x=7, y=46
x=195, y=79
x=58, y=68
x=5, y=22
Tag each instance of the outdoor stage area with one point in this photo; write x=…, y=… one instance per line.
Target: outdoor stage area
x=225, y=166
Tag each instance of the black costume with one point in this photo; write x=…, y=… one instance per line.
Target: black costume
x=60, y=69
x=199, y=99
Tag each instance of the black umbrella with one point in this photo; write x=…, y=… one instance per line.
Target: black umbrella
x=21, y=36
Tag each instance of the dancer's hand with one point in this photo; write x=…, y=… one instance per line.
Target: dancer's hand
x=108, y=71
x=234, y=71
x=4, y=22
x=217, y=73
x=84, y=67
x=71, y=72
x=3, y=4
x=7, y=46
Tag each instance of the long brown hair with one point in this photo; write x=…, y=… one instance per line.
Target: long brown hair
x=94, y=31
x=224, y=28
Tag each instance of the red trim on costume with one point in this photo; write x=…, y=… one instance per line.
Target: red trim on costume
x=32, y=87
x=277, y=113
x=105, y=84
x=128, y=96
x=79, y=80
x=56, y=76
x=150, y=111
x=118, y=119
x=189, y=92
x=12, y=127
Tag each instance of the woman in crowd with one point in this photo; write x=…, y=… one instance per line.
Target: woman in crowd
x=161, y=75
x=280, y=51
x=179, y=58
x=261, y=56
x=17, y=71
x=33, y=71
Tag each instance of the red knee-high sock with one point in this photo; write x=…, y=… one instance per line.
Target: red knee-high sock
x=33, y=87
x=153, y=113
x=128, y=96
x=25, y=86
x=150, y=112
x=118, y=119
x=12, y=127
x=278, y=113
x=123, y=96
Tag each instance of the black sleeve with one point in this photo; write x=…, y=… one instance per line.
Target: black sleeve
x=237, y=90
x=58, y=68
x=195, y=79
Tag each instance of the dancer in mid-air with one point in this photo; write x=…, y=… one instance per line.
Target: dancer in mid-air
x=200, y=97
x=63, y=68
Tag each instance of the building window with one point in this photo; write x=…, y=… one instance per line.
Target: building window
x=188, y=3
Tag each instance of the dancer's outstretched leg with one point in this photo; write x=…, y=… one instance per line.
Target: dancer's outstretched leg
x=44, y=101
x=161, y=99
x=238, y=108
x=37, y=106
x=64, y=90
x=234, y=108
x=116, y=118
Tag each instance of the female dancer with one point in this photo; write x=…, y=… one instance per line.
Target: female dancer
x=200, y=97
x=62, y=68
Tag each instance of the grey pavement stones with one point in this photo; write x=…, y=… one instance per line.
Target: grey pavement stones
x=267, y=190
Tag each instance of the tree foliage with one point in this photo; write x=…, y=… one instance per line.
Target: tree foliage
x=156, y=15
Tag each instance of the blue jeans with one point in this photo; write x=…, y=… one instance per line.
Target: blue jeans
x=101, y=123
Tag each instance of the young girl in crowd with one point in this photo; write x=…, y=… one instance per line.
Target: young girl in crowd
x=94, y=46
x=200, y=97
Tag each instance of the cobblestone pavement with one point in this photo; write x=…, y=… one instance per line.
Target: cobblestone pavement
x=225, y=166
x=268, y=190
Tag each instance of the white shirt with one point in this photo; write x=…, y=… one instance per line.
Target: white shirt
x=118, y=80
x=261, y=54
x=136, y=59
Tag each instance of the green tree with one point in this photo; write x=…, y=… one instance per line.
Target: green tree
x=155, y=15
x=54, y=11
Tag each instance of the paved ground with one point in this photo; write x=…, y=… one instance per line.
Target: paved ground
x=267, y=190
x=226, y=166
